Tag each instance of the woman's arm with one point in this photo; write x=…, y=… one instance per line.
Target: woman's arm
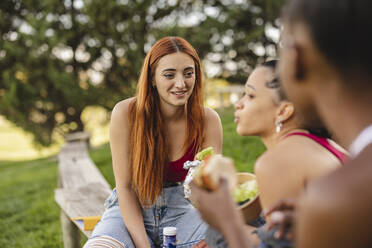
x=219, y=210
x=128, y=201
x=213, y=130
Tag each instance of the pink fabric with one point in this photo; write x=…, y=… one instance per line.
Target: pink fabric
x=325, y=143
x=174, y=171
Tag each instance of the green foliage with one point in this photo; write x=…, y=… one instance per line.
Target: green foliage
x=233, y=36
x=57, y=57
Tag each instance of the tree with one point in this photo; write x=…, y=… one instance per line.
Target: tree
x=231, y=36
x=57, y=57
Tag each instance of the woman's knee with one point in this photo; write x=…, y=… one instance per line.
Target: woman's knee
x=104, y=241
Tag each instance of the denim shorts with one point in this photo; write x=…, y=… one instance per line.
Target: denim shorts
x=170, y=209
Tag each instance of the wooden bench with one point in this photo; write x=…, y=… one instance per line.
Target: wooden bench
x=82, y=189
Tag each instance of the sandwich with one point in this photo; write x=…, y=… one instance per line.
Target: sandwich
x=212, y=168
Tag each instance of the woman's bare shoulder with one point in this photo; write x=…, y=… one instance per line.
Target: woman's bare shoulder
x=278, y=175
x=213, y=130
x=121, y=110
x=120, y=113
x=303, y=145
x=312, y=155
x=297, y=154
x=302, y=149
x=280, y=157
x=122, y=107
x=211, y=115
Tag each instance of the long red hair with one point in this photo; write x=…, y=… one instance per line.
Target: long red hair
x=148, y=140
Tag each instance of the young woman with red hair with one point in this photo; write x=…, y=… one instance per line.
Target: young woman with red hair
x=151, y=136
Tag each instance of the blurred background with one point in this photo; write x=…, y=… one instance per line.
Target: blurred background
x=65, y=63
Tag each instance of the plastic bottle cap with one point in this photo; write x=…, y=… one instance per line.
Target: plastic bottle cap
x=170, y=230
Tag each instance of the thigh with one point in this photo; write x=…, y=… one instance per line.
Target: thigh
x=181, y=214
x=112, y=225
x=190, y=228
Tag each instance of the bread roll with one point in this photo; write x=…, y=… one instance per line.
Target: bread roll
x=212, y=170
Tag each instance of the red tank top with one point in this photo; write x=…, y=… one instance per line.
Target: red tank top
x=325, y=143
x=174, y=171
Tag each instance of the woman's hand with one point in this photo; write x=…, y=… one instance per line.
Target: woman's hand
x=283, y=215
x=219, y=210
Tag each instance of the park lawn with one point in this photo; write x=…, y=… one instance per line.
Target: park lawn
x=244, y=150
x=29, y=216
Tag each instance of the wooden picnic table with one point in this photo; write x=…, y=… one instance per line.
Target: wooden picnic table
x=82, y=190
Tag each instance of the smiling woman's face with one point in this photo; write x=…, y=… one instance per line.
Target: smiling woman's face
x=256, y=111
x=175, y=78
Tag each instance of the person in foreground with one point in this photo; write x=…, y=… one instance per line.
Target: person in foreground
x=295, y=155
x=326, y=69
x=151, y=136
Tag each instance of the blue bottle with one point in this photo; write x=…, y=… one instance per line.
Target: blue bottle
x=169, y=237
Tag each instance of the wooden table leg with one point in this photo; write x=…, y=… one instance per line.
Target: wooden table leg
x=71, y=234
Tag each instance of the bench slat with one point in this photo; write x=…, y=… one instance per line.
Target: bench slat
x=82, y=188
x=76, y=169
x=83, y=201
x=78, y=172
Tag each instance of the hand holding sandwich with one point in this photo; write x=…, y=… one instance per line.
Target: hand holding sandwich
x=218, y=209
x=212, y=185
x=211, y=194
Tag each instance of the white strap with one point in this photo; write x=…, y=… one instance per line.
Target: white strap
x=363, y=140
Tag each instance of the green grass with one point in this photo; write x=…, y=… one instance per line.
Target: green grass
x=244, y=150
x=29, y=216
x=102, y=159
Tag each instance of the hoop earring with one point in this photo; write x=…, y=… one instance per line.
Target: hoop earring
x=278, y=126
